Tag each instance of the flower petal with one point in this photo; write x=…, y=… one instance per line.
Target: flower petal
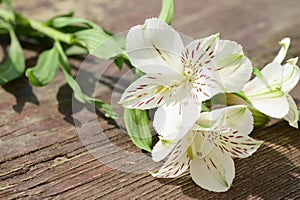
x=233, y=67
x=150, y=91
x=293, y=116
x=291, y=75
x=154, y=43
x=207, y=83
x=284, y=43
x=178, y=161
x=265, y=93
x=237, y=145
x=162, y=148
x=199, y=52
x=234, y=119
x=272, y=104
x=173, y=121
x=272, y=77
x=214, y=172
x=209, y=141
x=208, y=120
x=239, y=118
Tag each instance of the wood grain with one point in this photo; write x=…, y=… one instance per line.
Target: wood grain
x=43, y=157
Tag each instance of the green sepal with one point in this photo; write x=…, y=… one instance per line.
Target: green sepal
x=260, y=119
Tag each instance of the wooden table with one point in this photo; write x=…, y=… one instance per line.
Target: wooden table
x=43, y=157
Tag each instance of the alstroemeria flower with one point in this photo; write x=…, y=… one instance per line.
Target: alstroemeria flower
x=270, y=93
x=208, y=148
x=200, y=70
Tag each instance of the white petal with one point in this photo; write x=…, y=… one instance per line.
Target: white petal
x=205, y=130
x=154, y=43
x=265, y=93
x=233, y=67
x=227, y=47
x=200, y=68
x=150, y=91
x=200, y=52
x=173, y=168
x=181, y=91
x=159, y=69
x=284, y=43
x=233, y=119
x=208, y=120
x=178, y=161
x=274, y=107
x=209, y=141
x=238, y=118
x=162, y=148
x=237, y=145
x=214, y=173
x=272, y=77
x=173, y=121
x=207, y=84
x=291, y=75
x=293, y=116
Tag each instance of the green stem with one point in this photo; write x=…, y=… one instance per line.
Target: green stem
x=244, y=97
x=52, y=33
x=40, y=27
x=8, y=16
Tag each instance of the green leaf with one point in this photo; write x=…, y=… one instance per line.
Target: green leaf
x=45, y=70
x=76, y=50
x=49, y=22
x=119, y=62
x=137, y=124
x=64, y=21
x=21, y=21
x=14, y=64
x=167, y=11
x=78, y=94
x=99, y=43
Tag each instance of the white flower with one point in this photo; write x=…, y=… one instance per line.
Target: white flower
x=270, y=93
x=174, y=71
x=175, y=74
x=209, y=147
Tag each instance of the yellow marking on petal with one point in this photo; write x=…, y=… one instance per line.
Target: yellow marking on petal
x=190, y=153
x=161, y=89
x=166, y=143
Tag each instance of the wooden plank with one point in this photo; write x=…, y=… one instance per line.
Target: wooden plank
x=42, y=156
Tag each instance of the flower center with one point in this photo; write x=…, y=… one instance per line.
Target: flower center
x=189, y=74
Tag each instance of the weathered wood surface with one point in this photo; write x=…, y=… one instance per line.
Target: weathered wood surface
x=42, y=156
